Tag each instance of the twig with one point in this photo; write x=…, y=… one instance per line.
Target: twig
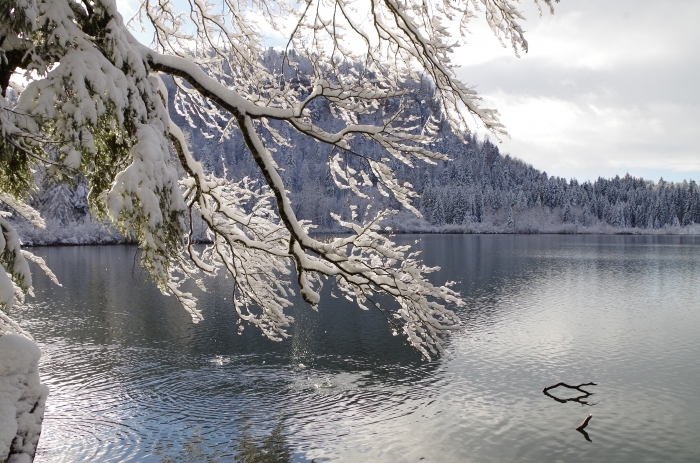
x=585, y=423
x=570, y=387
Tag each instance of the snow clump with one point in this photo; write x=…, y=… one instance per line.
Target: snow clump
x=22, y=399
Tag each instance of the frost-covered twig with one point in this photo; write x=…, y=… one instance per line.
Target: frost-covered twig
x=97, y=93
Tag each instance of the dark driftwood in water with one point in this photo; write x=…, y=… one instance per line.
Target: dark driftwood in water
x=580, y=399
x=585, y=423
x=578, y=388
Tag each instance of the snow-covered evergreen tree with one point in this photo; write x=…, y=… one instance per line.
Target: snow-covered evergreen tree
x=57, y=201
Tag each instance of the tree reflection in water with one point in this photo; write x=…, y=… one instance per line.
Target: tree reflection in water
x=272, y=448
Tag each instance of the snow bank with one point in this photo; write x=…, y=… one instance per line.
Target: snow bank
x=22, y=399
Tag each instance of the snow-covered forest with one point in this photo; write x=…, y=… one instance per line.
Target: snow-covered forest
x=479, y=190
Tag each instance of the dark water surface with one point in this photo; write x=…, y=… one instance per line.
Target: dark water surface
x=132, y=379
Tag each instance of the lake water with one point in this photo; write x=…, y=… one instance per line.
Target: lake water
x=132, y=379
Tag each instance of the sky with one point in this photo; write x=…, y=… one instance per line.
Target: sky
x=607, y=88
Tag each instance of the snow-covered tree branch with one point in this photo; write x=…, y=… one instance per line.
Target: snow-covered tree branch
x=94, y=96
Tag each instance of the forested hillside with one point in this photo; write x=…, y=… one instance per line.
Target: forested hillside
x=479, y=191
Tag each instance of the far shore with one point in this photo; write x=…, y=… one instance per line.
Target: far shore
x=693, y=230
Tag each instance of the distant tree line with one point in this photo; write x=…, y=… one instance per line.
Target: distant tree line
x=479, y=185
x=479, y=189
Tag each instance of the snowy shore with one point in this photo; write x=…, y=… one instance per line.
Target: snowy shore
x=22, y=399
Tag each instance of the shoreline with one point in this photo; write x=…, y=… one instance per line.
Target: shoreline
x=614, y=232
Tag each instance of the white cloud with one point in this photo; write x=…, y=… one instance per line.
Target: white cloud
x=607, y=88
x=585, y=138
x=127, y=8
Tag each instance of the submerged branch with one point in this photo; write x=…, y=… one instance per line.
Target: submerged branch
x=577, y=387
x=585, y=423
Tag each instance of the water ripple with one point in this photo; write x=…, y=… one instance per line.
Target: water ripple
x=132, y=379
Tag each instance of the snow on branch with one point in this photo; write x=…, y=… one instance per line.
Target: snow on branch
x=96, y=96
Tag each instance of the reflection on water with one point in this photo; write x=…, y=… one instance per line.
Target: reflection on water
x=269, y=449
x=581, y=399
x=132, y=379
x=585, y=434
x=272, y=448
x=194, y=450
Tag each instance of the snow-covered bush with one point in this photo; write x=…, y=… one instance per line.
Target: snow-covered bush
x=22, y=399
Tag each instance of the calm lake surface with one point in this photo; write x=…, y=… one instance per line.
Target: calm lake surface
x=132, y=379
